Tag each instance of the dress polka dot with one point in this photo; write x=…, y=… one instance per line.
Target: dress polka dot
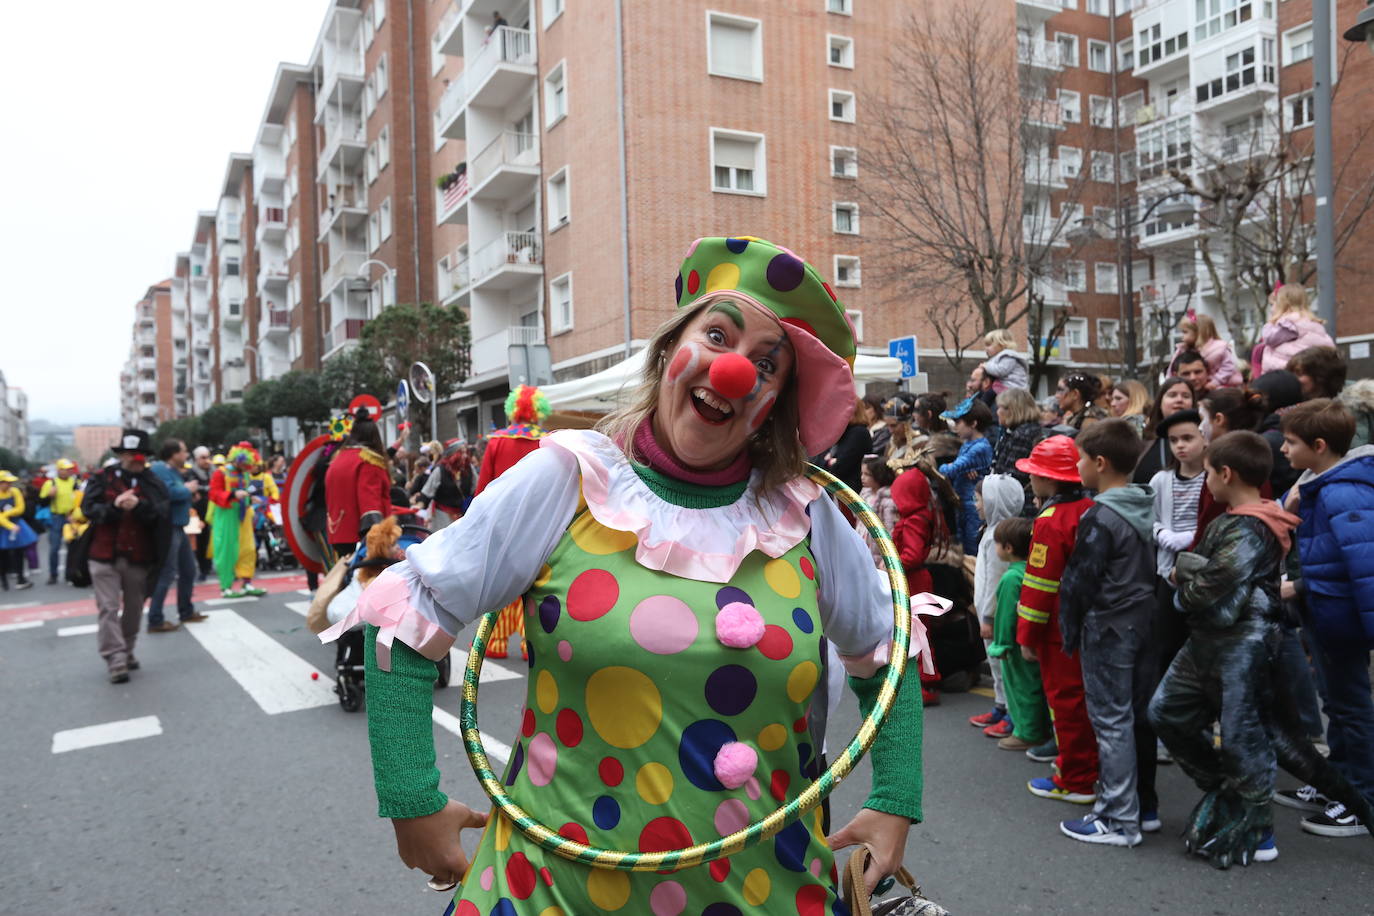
x=756, y=887
x=565, y=650
x=730, y=689
x=720, y=870
x=520, y=876
x=807, y=567
x=504, y=908
x=598, y=540
x=729, y=595
x=606, y=812
x=516, y=762
x=609, y=890
x=575, y=832
x=552, y=911
x=488, y=878
x=802, y=681
x=776, y=643
x=722, y=909
x=811, y=900
x=467, y=908
x=547, y=877
x=611, y=771
x=802, y=620
x=568, y=725
x=731, y=816
x=654, y=783
x=677, y=289
x=723, y=276
x=736, y=246
x=663, y=625
x=696, y=754
x=772, y=737
x=624, y=706
x=549, y=612
x=527, y=723
x=668, y=899
x=785, y=272
x=592, y=594
x=503, y=828
x=546, y=692
x=545, y=574
x=830, y=292
x=782, y=578
x=663, y=834
x=543, y=759
x=751, y=788
x=789, y=846
x=815, y=867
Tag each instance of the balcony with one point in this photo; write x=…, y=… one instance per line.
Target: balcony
x=450, y=33
x=273, y=275
x=450, y=118
x=271, y=225
x=1043, y=231
x=1044, y=172
x=148, y=363
x=1042, y=113
x=1172, y=224
x=491, y=353
x=1240, y=148
x=269, y=171
x=451, y=202
x=1035, y=12
x=342, y=334
x=231, y=313
x=146, y=385
x=199, y=275
x=453, y=284
x=345, y=146
x=342, y=80
x=1038, y=54
x=346, y=266
x=1170, y=295
x=1051, y=292
x=145, y=336
x=344, y=208
x=508, y=166
x=1230, y=95
x=501, y=69
x=275, y=321
x=511, y=259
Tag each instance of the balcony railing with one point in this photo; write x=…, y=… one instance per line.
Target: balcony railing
x=272, y=215
x=1051, y=292
x=277, y=320
x=450, y=104
x=273, y=274
x=1043, y=230
x=1036, y=52
x=509, y=148
x=508, y=248
x=456, y=279
x=342, y=333
x=1044, y=171
x=490, y=353
x=504, y=46
x=1043, y=112
x=344, y=267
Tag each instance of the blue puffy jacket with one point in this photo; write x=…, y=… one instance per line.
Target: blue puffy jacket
x=1336, y=547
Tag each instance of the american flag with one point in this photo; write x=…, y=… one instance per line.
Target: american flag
x=456, y=191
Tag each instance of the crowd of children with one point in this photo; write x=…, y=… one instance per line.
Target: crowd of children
x=1178, y=597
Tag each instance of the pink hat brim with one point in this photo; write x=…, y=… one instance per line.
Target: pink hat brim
x=825, y=391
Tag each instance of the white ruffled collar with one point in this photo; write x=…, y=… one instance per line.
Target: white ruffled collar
x=679, y=541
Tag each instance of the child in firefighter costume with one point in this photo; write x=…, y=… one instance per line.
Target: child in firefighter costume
x=232, y=544
x=682, y=580
x=526, y=408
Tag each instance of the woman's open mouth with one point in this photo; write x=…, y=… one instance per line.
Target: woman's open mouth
x=710, y=406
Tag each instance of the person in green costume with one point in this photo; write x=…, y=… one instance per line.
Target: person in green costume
x=1020, y=677
x=681, y=579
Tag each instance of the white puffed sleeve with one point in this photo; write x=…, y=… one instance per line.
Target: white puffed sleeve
x=855, y=597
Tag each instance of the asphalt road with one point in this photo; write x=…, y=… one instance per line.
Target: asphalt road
x=254, y=795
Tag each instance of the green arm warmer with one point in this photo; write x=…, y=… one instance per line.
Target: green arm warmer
x=897, y=778
x=401, y=731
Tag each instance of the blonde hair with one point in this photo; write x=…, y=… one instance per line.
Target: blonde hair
x=775, y=449
x=1138, y=398
x=1290, y=298
x=1203, y=327
x=1020, y=406
x=1000, y=337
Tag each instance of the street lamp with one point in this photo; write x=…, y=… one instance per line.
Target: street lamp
x=1363, y=29
x=389, y=273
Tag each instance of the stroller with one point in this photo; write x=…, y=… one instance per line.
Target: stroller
x=348, y=662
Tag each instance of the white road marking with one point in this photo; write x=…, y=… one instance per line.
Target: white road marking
x=491, y=671
x=76, y=739
x=276, y=678
x=19, y=604
x=497, y=751
x=25, y=625
x=300, y=607
x=218, y=601
x=84, y=629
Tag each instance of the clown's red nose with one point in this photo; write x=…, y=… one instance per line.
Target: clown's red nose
x=732, y=375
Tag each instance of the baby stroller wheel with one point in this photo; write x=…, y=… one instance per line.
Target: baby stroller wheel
x=445, y=666
x=350, y=693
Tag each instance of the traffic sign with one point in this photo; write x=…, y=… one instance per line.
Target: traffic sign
x=904, y=348
x=402, y=400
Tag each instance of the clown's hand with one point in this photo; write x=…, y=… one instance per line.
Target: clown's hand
x=433, y=843
x=884, y=834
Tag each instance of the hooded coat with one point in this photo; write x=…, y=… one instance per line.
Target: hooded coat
x=914, y=529
x=1287, y=337
x=1003, y=498
x=1358, y=397
x=1337, y=553
x=1110, y=575
x=1009, y=368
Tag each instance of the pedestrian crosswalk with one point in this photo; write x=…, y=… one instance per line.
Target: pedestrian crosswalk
x=76, y=739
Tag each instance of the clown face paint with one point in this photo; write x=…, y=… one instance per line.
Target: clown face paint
x=700, y=427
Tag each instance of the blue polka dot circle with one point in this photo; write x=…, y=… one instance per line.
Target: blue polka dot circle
x=790, y=846
x=696, y=752
x=549, y=612
x=736, y=246
x=802, y=620
x=606, y=812
x=730, y=689
x=504, y=908
x=517, y=760
x=730, y=595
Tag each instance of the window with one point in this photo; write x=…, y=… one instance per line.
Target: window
x=436, y=56
x=1128, y=165
x=841, y=105
x=555, y=95
x=734, y=47
x=294, y=345
x=378, y=13
x=1099, y=56
x=846, y=271
x=846, y=219
x=1154, y=47
x=373, y=167
x=1108, y=334
x=1300, y=110
x=856, y=321
x=1104, y=218
x=369, y=95
x=1104, y=277
x=374, y=231
x=841, y=51
x=1070, y=161
x=368, y=31
x=1128, y=107
x=384, y=148
x=1074, y=279
x=1125, y=56
x=382, y=81
x=844, y=162
x=843, y=7
x=558, y=199
x=386, y=219
x=1297, y=44
x=1068, y=48
x=1097, y=7
x=552, y=10
x=295, y=291
x=1215, y=16
x=1076, y=333
x=561, y=303
x=1099, y=111
x=291, y=130
x=1071, y=104
x=231, y=267
x=737, y=162
x=1240, y=73
x=1102, y=169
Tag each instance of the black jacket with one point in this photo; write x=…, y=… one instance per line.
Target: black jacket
x=153, y=514
x=1283, y=476
x=848, y=455
x=1110, y=575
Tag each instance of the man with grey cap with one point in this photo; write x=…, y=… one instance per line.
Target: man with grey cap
x=201, y=469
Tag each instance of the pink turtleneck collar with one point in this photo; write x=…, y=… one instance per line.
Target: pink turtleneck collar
x=658, y=458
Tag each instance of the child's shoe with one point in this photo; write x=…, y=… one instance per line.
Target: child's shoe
x=1013, y=743
x=1149, y=822
x=1091, y=830
x=253, y=591
x=1046, y=787
x=1267, y=850
x=1305, y=798
x=991, y=717
x=929, y=697
x=1336, y=820
x=1000, y=730
x=1044, y=753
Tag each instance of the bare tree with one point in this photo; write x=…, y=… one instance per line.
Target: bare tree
x=960, y=136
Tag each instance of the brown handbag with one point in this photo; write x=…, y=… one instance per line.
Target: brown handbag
x=914, y=903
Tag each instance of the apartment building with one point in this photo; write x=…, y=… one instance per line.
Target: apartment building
x=157, y=351
x=202, y=367
x=14, y=418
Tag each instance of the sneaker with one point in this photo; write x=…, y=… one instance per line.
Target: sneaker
x=132, y=664
x=1334, y=821
x=1305, y=799
x=23, y=584
x=253, y=591
x=991, y=717
x=1044, y=753
x=231, y=593
x=1000, y=730
x=162, y=626
x=1091, y=830
x=119, y=675
x=197, y=617
x=929, y=697
x=1149, y=822
x=1267, y=850
x=1045, y=787
x=1013, y=743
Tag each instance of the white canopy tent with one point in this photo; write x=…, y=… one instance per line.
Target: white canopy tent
x=601, y=393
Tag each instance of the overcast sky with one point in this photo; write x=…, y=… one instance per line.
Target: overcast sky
x=119, y=120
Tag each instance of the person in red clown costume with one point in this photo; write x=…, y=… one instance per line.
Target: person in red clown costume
x=526, y=408
x=231, y=542
x=357, y=485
